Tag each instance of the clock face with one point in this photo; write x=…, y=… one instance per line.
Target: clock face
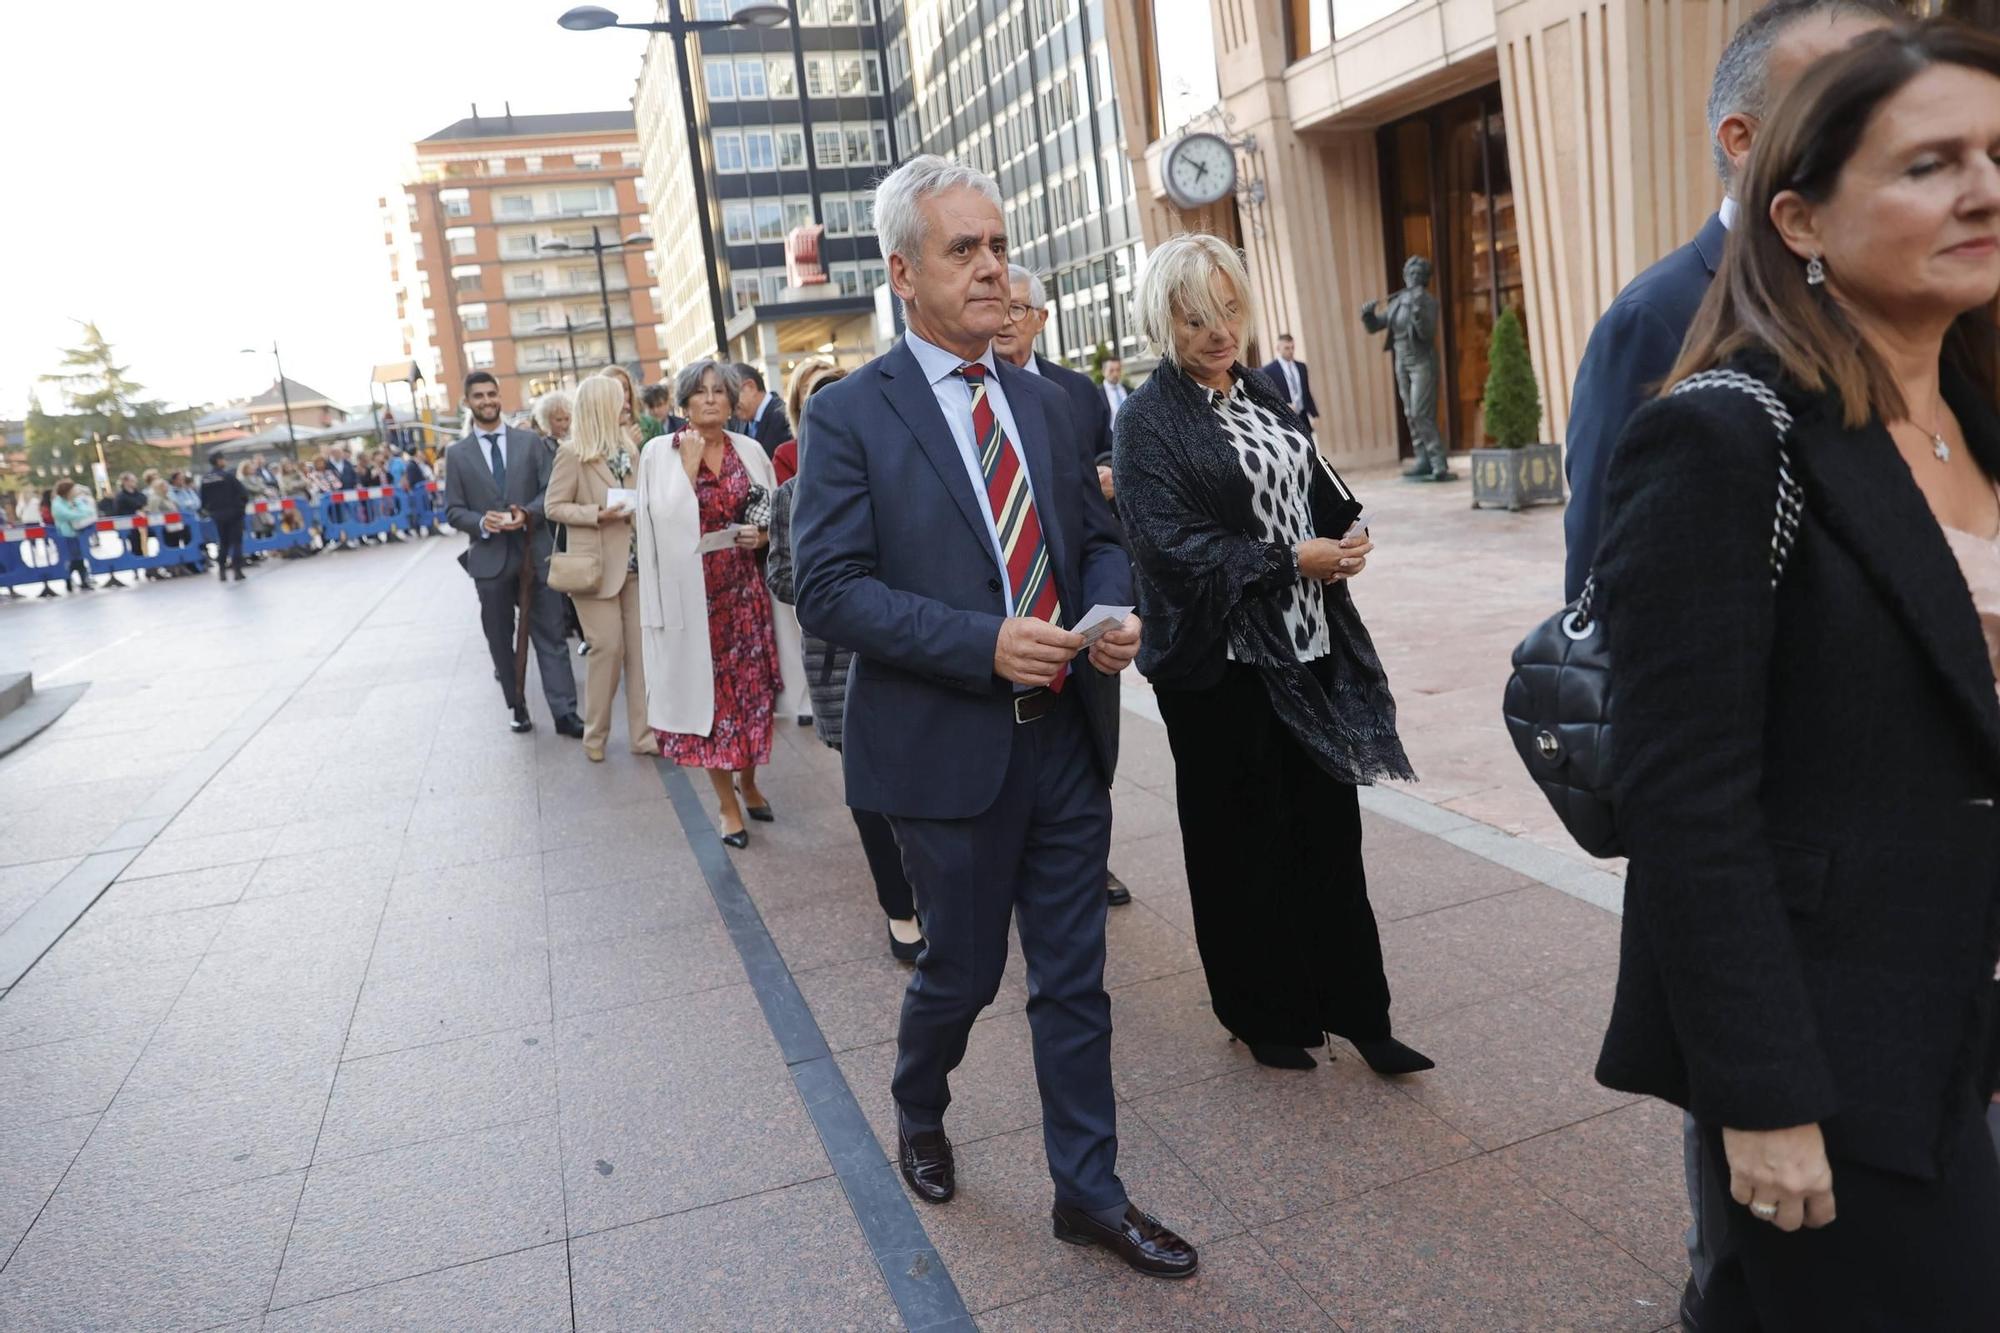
x=1200, y=169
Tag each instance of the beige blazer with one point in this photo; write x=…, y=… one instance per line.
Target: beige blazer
x=673, y=593
x=576, y=493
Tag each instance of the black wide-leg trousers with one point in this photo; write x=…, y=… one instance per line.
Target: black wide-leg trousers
x=1272, y=844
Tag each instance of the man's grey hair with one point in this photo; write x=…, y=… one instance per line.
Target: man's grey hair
x=1742, y=76
x=899, y=217
x=689, y=380
x=1038, y=295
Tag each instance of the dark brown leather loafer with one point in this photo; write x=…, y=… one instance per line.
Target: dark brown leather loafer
x=1139, y=1239
x=928, y=1164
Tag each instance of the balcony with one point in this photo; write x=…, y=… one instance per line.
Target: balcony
x=596, y=325
x=550, y=293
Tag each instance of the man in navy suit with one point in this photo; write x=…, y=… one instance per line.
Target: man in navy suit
x=1633, y=349
x=1635, y=344
x=1293, y=381
x=1027, y=316
x=946, y=529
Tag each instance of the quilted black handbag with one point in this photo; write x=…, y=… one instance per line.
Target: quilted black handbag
x=1558, y=701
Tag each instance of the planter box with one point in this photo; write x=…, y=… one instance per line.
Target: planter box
x=1517, y=478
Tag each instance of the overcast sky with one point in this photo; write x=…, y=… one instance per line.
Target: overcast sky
x=199, y=176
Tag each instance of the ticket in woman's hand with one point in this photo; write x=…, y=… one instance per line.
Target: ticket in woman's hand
x=1099, y=621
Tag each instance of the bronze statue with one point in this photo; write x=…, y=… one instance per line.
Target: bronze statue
x=1412, y=324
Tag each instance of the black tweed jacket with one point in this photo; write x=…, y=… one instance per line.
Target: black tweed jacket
x=1207, y=587
x=1806, y=782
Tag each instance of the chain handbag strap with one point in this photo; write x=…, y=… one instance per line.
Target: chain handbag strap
x=1791, y=496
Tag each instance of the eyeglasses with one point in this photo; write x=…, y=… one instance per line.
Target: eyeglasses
x=1017, y=312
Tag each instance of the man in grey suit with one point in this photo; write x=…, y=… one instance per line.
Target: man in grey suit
x=494, y=481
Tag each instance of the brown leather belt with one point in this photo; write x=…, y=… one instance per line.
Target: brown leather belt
x=1034, y=705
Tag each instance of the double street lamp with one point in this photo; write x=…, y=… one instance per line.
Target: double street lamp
x=598, y=245
x=589, y=18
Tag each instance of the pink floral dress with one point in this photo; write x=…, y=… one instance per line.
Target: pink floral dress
x=741, y=639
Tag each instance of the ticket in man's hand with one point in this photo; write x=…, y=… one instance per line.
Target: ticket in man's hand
x=1099, y=621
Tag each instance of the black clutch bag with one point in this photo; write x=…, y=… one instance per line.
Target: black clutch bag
x=1334, y=507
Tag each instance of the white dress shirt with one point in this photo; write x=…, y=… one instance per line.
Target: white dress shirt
x=493, y=448
x=1728, y=212
x=954, y=397
x=1292, y=383
x=1114, y=394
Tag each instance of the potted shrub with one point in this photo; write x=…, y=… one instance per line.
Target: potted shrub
x=1520, y=470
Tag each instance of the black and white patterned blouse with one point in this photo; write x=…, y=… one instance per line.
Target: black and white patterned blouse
x=1278, y=462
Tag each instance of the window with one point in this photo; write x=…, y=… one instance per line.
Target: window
x=578, y=200
x=518, y=246
x=479, y=355
x=463, y=241
x=840, y=11
x=514, y=206
x=532, y=163
x=798, y=213
x=874, y=74
x=639, y=190
x=473, y=317
x=873, y=276
x=847, y=277
x=882, y=144
x=578, y=276
x=839, y=221
x=819, y=76
x=847, y=75
x=858, y=146
x=736, y=224
x=750, y=78
x=587, y=161
x=528, y=284
x=791, y=148
x=1185, y=59
x=455, y=203
x=743, y=290
x=712, y=9
x=772, y=281
x=719, y=76
x=758, y=152
x=826, y=147
x=527, y=317
x=652, y=265
x=728, y=151
x=784, y=78
x=770, y=221
x=864, y=213
x=496, y=166
x=465, y=279
x=629, y=158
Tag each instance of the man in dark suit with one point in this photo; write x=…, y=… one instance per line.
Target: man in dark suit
x=761, y=413
x=1027, y=316
x=1293, y=381
x=1638, y=339
x=1634, y=346
x=1114, y=391
x=945, y=528
x=494, y=480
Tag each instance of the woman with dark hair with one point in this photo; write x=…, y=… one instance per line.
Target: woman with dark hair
x=1808, y=739
x=1275, y=702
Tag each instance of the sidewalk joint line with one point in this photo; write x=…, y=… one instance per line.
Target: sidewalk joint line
x=910, y=1264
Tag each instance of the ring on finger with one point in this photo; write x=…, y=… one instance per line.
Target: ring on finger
x=1766, y=1211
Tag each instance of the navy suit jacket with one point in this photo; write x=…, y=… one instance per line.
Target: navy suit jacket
x=1276, y=374
x=893, y=560
x=1631, y=351
x=1088, y=408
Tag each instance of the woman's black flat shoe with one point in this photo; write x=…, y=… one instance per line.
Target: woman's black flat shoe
x=904, y=953
x=739, y=839
x=761, y=813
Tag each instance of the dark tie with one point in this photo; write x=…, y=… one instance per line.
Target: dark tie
x=1022, y=548
x=497, y=459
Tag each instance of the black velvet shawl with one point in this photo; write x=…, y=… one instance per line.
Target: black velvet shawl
x=1207, y=587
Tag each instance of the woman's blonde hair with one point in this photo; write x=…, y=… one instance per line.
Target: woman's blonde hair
x=594, y=432
x=804, y=375
x=1177, y=277
x=624, y=377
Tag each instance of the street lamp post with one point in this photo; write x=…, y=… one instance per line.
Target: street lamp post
x=285, y=396
x=588, y=18
x=598, y=245
x=569, y=329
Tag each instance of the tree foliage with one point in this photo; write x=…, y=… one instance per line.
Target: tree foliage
x=1513, y=399
x=1098, y=357
x=101, y=401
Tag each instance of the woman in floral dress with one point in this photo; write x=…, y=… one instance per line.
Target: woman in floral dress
x=712, y=696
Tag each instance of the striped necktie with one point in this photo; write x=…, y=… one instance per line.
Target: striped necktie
x=1022, y=548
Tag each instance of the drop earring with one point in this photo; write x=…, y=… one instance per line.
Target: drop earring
x=1815, y=272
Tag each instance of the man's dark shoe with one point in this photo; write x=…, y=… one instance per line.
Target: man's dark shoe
x=1115, y=892
x=1691, y=1308
x=522, y=723
x=570, y=726
x=927, y=1163
x=1139, y=1239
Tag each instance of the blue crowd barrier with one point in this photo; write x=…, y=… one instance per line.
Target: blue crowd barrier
x=137, y=536
x=278, y=537
x=33, y=553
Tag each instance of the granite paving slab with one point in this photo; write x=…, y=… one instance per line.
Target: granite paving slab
x=523, y=1292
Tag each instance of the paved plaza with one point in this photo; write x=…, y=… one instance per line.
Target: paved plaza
x=389, y=1019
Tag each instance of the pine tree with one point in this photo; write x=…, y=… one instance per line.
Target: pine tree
x=1513, y=401
x=103, y=401
x=1097, y=360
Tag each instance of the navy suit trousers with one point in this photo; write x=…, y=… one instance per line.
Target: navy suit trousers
x=1038, y=854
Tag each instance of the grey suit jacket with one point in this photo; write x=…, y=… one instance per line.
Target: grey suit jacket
x=470, y=489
